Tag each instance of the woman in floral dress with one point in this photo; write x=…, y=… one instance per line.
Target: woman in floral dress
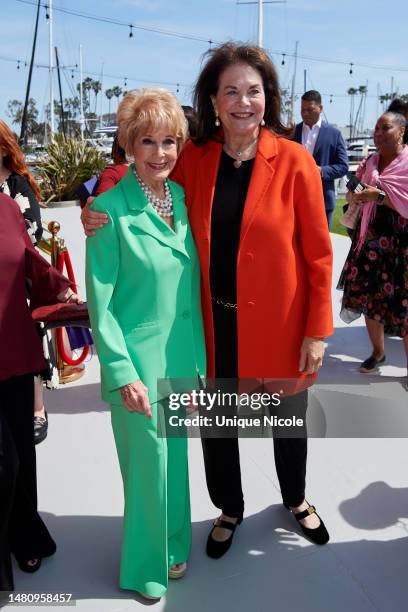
x=375, y=275
x=17, y=182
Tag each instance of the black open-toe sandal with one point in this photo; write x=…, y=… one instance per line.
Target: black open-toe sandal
x=318, y=535
x=371, y=365
x=216, y=549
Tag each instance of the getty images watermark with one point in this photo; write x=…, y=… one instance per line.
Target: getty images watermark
x=204, y=400
x=258, y=408
x=228, y=408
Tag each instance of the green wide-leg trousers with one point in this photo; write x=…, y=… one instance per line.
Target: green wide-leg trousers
x=157, y=523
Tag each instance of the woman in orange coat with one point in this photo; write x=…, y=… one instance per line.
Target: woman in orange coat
x=257, y=213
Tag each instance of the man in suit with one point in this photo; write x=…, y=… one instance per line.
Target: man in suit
x=325, y=143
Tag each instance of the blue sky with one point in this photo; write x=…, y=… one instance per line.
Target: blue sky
x=359, y=31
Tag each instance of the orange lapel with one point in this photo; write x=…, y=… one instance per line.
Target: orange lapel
x=261, y=177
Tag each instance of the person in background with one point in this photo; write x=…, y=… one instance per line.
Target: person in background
x=374, y=279
x=22, y=531
x=191, y=120
x=113, y=173
x=17, y=181
x=325, y=143
x=266, y=309
x=399, y=106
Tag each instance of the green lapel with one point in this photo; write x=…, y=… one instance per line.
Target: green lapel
x=147, y=219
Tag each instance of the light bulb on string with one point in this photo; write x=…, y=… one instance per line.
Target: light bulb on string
x=351, y=68
x=131, y=31
x=125, y=82
x=178, y=88
x=210, y=42
x=283, y=59
x=18, y=64
x=331, y=99
x=47, y=16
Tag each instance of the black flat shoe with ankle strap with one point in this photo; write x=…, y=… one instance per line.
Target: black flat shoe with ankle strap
x=216, y=549
x=40, y=428
x=29, y=565
x=318, y=535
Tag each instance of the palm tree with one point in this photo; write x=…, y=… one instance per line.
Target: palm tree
x=87, y=86
x=117, y=91
x=362, y=90
x=384, y=99
x=109, y=95
x=85, y=89
x=96, y=88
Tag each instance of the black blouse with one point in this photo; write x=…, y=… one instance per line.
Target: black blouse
x=18, y=184
x=228, y=206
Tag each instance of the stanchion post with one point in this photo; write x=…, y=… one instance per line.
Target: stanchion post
x=54, y=227
x=66, y=373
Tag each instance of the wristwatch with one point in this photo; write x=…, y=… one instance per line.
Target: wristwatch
x=381, y=197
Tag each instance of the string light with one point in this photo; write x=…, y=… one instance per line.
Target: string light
x=131, y=31
x=104, y=19
x=194, y=37
x=283, y=59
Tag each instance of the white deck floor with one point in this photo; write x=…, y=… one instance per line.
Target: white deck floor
x=360, y=487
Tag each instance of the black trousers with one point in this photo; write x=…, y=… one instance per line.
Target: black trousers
x=221, y=455
x=22, y=530
x=8, y=478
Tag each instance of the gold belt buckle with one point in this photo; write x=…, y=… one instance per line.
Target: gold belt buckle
x=222, y=303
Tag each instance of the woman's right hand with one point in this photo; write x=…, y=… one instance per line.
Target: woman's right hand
x=135, y=398
x=92, y=220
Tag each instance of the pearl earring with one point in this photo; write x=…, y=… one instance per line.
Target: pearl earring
x=263, y=122
x=217, y=121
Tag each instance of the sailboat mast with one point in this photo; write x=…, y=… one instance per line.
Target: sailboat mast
x=51, y=56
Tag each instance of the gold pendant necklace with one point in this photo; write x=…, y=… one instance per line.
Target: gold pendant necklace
x=237, y=154
x=238, y=162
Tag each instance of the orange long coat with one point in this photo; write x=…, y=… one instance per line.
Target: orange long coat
x=284, y=265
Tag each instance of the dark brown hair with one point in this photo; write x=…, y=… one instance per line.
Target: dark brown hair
x=118, y=154
x=14, y=157
x=312, y=96
x=398, y=106
x=222, y=57
x=191, y=120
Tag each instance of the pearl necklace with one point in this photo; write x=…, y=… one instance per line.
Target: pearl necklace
x=163, y=207
x=237, y=154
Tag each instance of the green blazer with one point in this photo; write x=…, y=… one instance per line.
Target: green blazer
x=143, y=292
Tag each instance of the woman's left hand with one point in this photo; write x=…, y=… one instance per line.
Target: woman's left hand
x=311, y=355
x=369, y=194
x=69, y=297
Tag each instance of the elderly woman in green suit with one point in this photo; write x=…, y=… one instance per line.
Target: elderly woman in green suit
x=143, y=289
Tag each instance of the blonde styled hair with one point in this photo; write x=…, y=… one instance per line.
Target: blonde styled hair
x=146, y=110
